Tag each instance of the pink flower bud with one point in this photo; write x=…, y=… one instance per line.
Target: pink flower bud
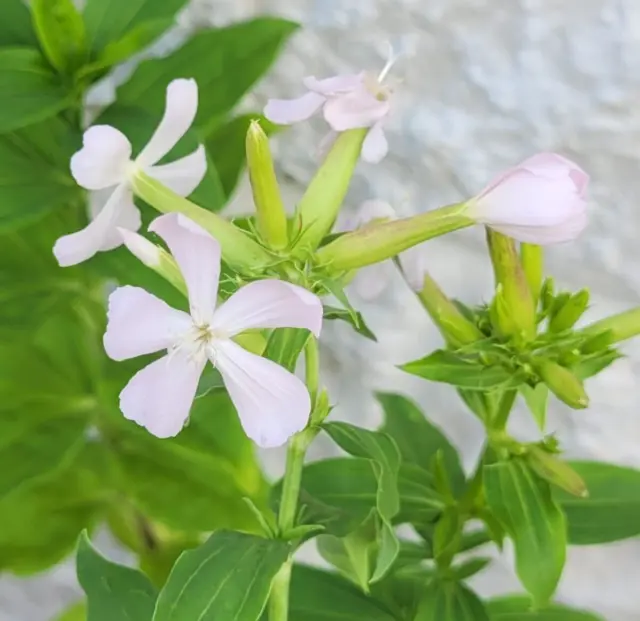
x=540, y=201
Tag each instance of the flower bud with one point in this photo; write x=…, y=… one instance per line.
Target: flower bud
x=569, y=312
x=562, y=383
x=515, y=313
x=620, y=327
x=547, y=295
x=238, y=249
x=541, y=201
x=155, y=258
x=378, y=242
x=270, y=214
x=557, y=472
x=320, y=205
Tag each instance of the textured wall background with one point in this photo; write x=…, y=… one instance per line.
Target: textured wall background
x=484, y=83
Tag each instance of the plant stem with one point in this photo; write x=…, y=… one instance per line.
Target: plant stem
x=279, y=600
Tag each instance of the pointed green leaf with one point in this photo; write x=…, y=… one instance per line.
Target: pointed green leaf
x=448, y=367
x=235, y=56
x=418, y=438
x=15, y=24
x=450, y=601
x=228, y=578
x=32, y=92
x=537, y=400
x=518, y=608
x=110, y=21
x=317, y=595
x=114, y=592
x=611, y=512
x=447, y=536
x=353, y=317
x=524, y=506
x=285, y=346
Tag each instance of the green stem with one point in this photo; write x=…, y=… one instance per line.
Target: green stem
x=279, y=600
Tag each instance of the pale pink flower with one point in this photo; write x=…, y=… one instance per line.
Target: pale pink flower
x=347, y=102
x=104, y=164
x=541, y=201
x=272, y=403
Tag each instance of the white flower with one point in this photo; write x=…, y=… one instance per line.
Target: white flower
x=348, y=102
x=104, y=164
x=272, y=403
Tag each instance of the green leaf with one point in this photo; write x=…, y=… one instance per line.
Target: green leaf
x=611, y=512
x=228, y=578
x=448, y=367
x=75, y=612
x=417, y=438
x=470, y=568
x=352, y=317
x=382, y=450
x=525, y=507
x=537, y=399
x=126, y=46
x=450, y=601
x=114, y=592
x=226, y=145
x=110, y=21
x=518, y=608
x=317, y=595
x=595, y=363
x=196, y=481
x=61, y=33
x=285, y=346
x=138, y=125
x=15, y=24
x=35, y=446
x=32, y=92
x=447, y=536
x=225, y=62
x=61, y=506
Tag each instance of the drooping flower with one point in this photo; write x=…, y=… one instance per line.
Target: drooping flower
x=540, y=201
x=348, y=102
x=104, y=164
x=272, y=403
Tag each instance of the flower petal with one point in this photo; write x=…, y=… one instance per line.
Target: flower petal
x=375, y=146
x=356, y=109
x=82, y=245
x=128, y=217
x=103, y=160
x=269, y=304
x=179, y=114
x=545, y=235
x=334, y=86
x=160, y=396
x=184, y=175
x=272, y=403
x=198, y=256
x=139, y=323
x=288, y=111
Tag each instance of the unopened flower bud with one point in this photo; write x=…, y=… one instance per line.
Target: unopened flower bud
x=621, y=327
x=515, y=313
x=569, y=312
x=155, y=258
x=270, y=214
x=557, y=472
x=562, y=383
x=540, y=201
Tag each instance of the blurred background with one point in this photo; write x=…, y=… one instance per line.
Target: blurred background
x=481, y=85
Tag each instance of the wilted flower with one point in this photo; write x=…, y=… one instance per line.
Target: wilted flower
x=347, y=102
x=541, y=201
x=104, y=163
x=272, y=403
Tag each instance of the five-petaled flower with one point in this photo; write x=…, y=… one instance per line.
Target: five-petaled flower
x=347, y=102
x=272, y=403
x=104, y=163
x=540, y=201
